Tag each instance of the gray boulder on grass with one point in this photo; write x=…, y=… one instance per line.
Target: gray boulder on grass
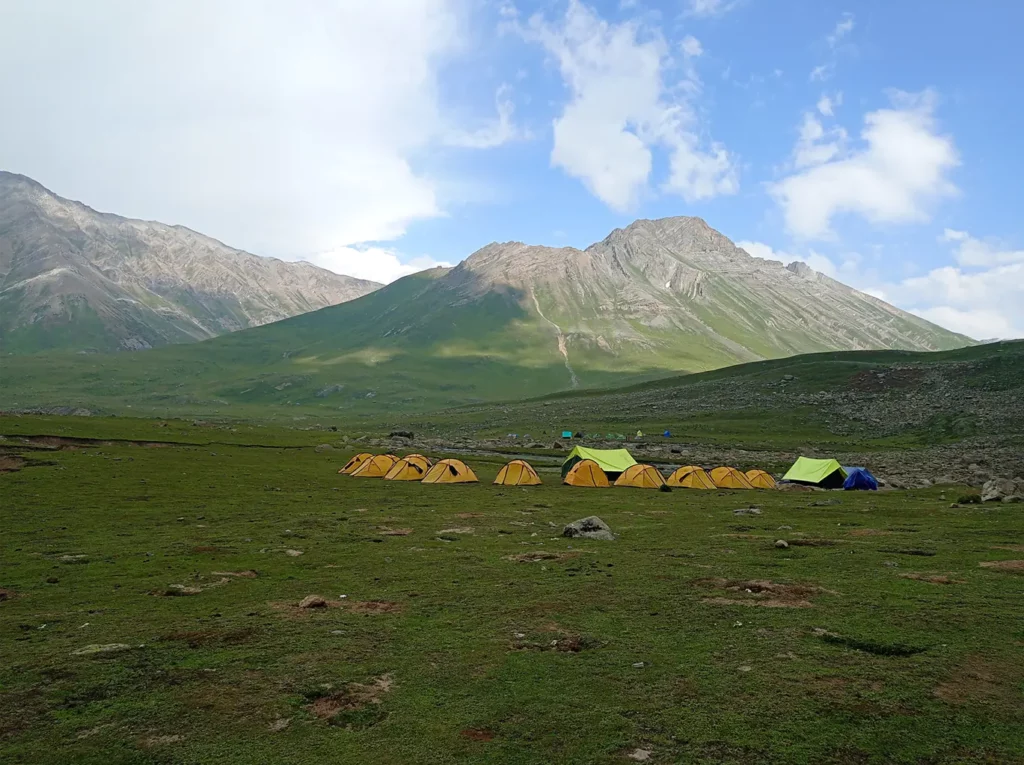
x=589, y=528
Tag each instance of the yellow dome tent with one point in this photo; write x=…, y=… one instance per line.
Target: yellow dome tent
x=759, y=479
x=518, y=473
x=641, y=477
x=450, y=471
x=729, y=478
x=354, y=463
x=586, y=473
x=375, y=467
x=691, y=477
x=412, y=467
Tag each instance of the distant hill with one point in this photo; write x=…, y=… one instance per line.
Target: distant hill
x=512, y=321
x=71, y=277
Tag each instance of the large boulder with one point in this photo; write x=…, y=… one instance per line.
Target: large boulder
x=1002, y=490
x=591, y=527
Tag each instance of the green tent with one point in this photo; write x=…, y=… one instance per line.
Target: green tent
x=828, y=474
x=611, y=461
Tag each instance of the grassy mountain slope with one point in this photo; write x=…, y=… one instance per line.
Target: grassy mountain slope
x=510, y=322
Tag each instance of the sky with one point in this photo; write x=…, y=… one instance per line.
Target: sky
x=879, y=142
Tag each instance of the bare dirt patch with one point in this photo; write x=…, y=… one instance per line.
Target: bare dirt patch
x=9, y=464
x=477, y=734
x=761, y=592
x=396, y=532
x=869, y=533
x=932, y=578
x=466, y=516
x=978, y=680
x=6, y=594
x=1003, y=565
x=250, y=574
x=373, y=607
x=539, y=555
x=352, y=698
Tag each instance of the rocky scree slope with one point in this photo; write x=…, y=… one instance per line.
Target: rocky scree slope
x=71, y=277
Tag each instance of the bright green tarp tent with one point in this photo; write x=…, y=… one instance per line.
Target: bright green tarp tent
x=611, y=461
x=826, y=473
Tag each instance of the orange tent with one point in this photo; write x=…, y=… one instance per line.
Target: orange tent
x=355, y=462
x=730, y=478
x=640, y=477
x=450, y=471
x=375, y=467
x=691, y=477
x=586, y=473
x=410, y=468
x=759, y=479
x=518, y=473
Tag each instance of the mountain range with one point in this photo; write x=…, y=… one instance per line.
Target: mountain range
x=71, y=277
x=511, y=321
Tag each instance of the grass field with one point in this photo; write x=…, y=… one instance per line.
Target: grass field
x=882, y=634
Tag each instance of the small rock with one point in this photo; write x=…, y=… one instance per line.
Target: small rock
x=782, y=544
x=747, y=511
x=591, y=527
x=996, y=489
x=106, y=648
x=279, y=724
x=891, y=564
x=319, y=448
x=52, y=580
x=745, y=668
x=785, y=528
x=640, y=755
x=313, y=601
x=638, y=665
x=293, y=553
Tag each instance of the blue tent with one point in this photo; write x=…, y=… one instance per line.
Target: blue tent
x=859, y=478
x=667, y=434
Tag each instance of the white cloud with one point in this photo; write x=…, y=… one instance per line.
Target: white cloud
x=691, y=46
x=822, y=72
x=621, y=107
x=827, y=104
x=709, y=8
x=499, y=131
x=984, y=304
x=979, y=253
x=282, y=128
x=843, y=27
x=902, y=166
x=814, y=146
x=377, y=264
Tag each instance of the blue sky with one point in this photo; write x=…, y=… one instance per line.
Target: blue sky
x=878, y=141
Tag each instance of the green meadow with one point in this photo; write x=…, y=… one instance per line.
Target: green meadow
x=149, y=614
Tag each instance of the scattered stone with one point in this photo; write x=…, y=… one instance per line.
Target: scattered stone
x=638, y=665
x=279, y=724
x=458, y=530
x=73, y=558
x=89, y=650
x=591, y=527
x=293, y=553
x=640, y=755
x=782, y=544
x=401, y=434
x=1003, y=490
x=323, y=448
x=891, y=564
x=313, y=601
x=176, y=590
x=250, y=574
x=745, y=668
x=747, y=511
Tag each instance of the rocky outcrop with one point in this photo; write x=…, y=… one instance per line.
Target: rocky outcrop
x=72, y=277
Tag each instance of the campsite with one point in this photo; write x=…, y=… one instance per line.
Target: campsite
x=151, y=618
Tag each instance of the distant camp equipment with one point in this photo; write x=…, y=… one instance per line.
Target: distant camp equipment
x=355, y=462
x=611, y=461
x=729, y=478
x=578, y=435
x=759, y=479
x=518, y=473
x=586, y=473
x=375, y=467
x=828, y=474
x=641, y=477
x=691, y=477
x=639, y=434
x=667, y=434
x=412, y=467
x=450, y=471
x=566, y=434
x=859, y=478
